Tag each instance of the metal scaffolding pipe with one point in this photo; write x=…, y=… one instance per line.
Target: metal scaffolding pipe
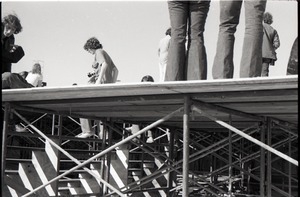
x=69, y=156
x=4, y=136
x=186, y=148
x=96, y=156
x=276, y=152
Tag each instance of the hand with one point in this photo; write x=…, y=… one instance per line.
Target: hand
x=92, y=80
x=13, y=47
x=95, y=66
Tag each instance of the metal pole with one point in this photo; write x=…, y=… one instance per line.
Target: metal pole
x=156, y=123
x=262, y=160
x=171, y=157
x=186, y=139
x=248, y=137
x=58, y=153
x=269, y=159
x=230, y=160
x=108, y=156
x=69, y=156
x=290, y=166
x=4, y=136
x=53, y=124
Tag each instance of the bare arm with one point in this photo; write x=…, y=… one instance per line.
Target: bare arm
x=102, y=65
x=101, y=74
x=115, y=74
x=40, y=82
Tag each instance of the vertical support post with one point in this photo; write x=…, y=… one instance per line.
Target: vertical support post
x=269, y=158
x=4, y=137
x=290, y=165
x=262, y=160
x=242, y=164
x=230, y=160
x=53, y=124
x=186, y=139
x=58, y=153
x=104, y=167
x=108, y=156
x=171, y=157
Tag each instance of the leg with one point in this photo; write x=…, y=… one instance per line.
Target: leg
x=149, y=137
x=265, y=70
x=14, y=81
x=229, y=19
x=251, y=61
x=196, y=53
x=176, y=54
x=86, y=128
x=162, y=70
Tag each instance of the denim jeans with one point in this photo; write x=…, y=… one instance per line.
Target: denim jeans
x=14, y=81
x=187, y=16
x=265, y=70
x=251, y=61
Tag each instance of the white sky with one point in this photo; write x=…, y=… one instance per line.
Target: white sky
x=54, y=33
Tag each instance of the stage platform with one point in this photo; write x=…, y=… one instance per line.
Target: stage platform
x=246, y=100
x=268, y=106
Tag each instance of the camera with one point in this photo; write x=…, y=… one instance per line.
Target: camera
x=90, y=74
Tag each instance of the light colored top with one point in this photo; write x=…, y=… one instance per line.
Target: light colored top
x=163, y=49
x=34, y=79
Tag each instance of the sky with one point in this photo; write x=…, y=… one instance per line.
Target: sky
x=54, y=33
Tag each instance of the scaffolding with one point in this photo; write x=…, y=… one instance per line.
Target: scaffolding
x=233, y=137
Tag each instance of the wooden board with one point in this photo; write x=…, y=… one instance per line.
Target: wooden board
x=146, y=102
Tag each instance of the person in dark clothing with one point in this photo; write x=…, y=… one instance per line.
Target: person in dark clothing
x=14, y=81
x=11, y=53
x=270, y=44
x=292, y=68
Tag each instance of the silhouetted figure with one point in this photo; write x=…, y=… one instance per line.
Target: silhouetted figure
x=292, y=68
x=11, y=53
x=271, y=42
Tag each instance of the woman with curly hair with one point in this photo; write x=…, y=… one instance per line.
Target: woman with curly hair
x=11, y=53
x=270, y=44
x=104, y=71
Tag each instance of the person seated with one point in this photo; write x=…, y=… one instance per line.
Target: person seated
x=14, y=81
x=35, y=76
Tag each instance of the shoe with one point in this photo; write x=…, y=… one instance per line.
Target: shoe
x=19, y=128
x=150, y=140
x=84, y=135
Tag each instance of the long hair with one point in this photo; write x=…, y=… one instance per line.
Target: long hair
x=92, y=43
x=14, y=21
x=36, y=68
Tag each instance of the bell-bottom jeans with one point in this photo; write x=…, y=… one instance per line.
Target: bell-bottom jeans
x=187, y=62
x=251, y=60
